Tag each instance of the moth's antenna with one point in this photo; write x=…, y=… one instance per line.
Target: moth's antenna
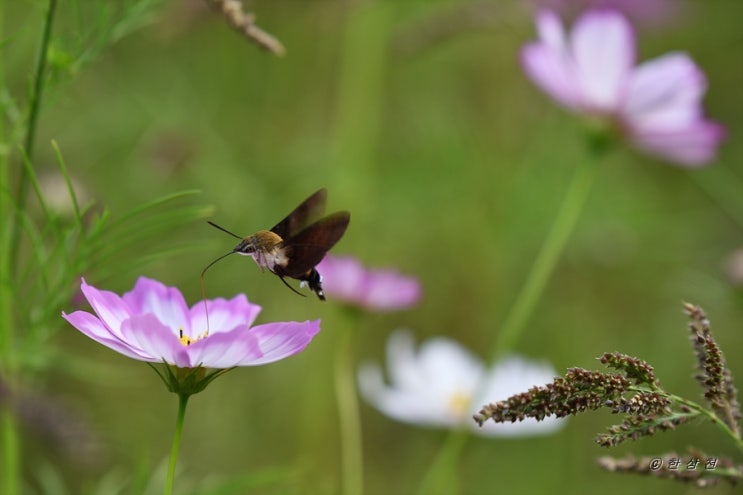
x=223, y=230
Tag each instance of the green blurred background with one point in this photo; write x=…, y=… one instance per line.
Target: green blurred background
x=418, y=119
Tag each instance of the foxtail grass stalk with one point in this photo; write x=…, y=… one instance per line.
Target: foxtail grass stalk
x=182, y=403
x=352, y=464
x=732, y=435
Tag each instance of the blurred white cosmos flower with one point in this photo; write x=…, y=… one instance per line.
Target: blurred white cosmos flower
x=656, y=105
x=443, y=385
x=56, y=193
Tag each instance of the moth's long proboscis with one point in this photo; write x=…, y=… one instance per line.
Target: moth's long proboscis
x=203, y=286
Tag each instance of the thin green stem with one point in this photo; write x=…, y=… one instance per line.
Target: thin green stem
x=698, y=409
x=9, y=244
x=352, y=465
x=439, y=473
x=736, y=439
x=11, y=447
x=182, y=403
x=6, y=295
x=440, y=476
x=722, y=185
x=5, y=208
x=33, y=119
x=360, y=96
x=547, y=259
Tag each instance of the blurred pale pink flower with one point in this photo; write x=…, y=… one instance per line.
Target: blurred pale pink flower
x=153, y=323
x=346, y=279
x=646, y=11
x=656, y=105
x=443, y=385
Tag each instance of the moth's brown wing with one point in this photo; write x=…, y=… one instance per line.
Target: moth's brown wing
x=307, y=248
x=310, y=210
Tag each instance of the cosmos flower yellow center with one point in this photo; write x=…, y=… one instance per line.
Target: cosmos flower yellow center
x=459, y=403
x=186, y=340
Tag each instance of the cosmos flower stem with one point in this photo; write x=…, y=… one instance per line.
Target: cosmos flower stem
x=440, y=476
x=11, y=465
x=546, y=259
x=10, y=447
x=723, y=187
x=352, y=466
x=182, y=403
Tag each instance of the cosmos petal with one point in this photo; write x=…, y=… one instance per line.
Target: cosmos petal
x=603, y=48
x=397, y=402
x=411, y=370
x=224, y=315
x=402, y=361
x=388, y=291
x=166, y=303
x=224, y=349
x=665, y=93
x=158, y=341
x=342, y=276
x=463, y=366
x=280, y=340
x=694, y=146
x=346, y=279
x=96, y=330
x=550, y=30
x=110, y=308
x=553, y=72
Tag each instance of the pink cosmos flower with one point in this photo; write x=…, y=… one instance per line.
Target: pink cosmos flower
x=646, y=11
x=152, y=323
x=346, y=279
x=591, y=71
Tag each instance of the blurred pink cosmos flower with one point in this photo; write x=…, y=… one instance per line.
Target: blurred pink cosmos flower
x=152, y=323
x=647, y=11
x=443, y=385
x=591, y=71
x=346, y=279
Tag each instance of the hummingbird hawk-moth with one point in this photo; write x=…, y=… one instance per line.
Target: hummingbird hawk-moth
x=295, y=245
